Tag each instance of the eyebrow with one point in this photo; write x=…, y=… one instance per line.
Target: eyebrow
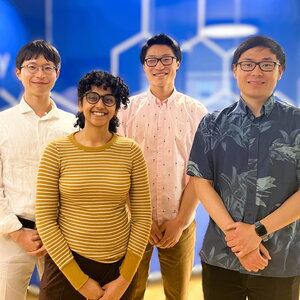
x=154, y=56
x=264, y=58
x=30, y=62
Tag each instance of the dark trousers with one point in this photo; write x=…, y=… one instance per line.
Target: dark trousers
x=55, y=286
x=223, y=284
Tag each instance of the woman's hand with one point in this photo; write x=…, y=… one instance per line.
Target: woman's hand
x=115, y=289
x=91, y=290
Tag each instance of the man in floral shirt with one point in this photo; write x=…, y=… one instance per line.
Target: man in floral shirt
x=245, y=163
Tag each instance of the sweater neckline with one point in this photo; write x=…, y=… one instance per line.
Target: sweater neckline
x=86, y=148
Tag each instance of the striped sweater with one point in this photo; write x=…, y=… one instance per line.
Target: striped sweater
x=81, y=204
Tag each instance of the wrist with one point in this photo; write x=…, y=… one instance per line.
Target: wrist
x=181, y=221
x=16, y=234
x=261, y=231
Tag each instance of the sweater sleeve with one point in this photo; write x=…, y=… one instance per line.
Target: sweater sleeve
x=47, y=210
x=141, y=218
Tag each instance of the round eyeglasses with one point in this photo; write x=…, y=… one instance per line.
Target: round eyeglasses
x=33, y=69
x=93, y=98
x=165, y=60
x=265, y=66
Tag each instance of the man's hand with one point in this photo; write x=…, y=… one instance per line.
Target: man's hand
x=256, y=260
x=41, y=252
x=155, y=234
x=172, y=231
x=115, y=289
x=242, y=238
x=28, y=240
x=91, y=290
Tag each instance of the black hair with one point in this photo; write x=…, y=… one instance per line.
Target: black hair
x=36, y=48
x=260, y=41
x=161, y=39
x=104, y=80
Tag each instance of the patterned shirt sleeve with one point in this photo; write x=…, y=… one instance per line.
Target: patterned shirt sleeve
x=200, y=161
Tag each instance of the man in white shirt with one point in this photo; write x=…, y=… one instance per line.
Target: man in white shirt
x=24, y=132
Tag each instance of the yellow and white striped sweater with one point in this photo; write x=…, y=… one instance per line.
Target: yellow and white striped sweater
x=80, y=206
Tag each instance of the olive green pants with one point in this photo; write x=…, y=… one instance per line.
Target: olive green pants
x=176, y=265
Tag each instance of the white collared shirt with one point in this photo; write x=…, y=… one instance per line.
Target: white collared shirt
x=23, y=137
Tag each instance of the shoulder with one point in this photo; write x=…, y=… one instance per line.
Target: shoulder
x=219, y=117
x=287, y=108
x=139, y=97
x=8, y=113
x=64, y=115
x=190, y=103
x=127, y=143
x=136, y=104
x=138, y=100
x=61, y=142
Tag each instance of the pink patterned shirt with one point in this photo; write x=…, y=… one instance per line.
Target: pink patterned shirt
x=165, y=131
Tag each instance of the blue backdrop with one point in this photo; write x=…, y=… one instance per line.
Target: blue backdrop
x=105, y=34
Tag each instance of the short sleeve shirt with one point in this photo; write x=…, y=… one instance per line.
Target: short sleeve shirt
x=254, y=163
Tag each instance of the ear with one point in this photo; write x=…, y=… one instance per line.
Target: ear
x=178, y=64
x=80, y=106
x=57, y=74
x=18, y=73
x=280, y=72
x=234, y=70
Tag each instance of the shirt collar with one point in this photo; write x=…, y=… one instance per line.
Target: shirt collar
x=25, y=108
x=243, y=109
x=155, y=100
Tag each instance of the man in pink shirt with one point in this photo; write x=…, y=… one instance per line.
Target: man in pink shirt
x=164, y=121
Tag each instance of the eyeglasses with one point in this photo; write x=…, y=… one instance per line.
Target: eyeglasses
x=153, y=61
x=33, y=69
x=93, y=98
x=265, y=66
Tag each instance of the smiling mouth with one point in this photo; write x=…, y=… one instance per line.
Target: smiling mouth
x=160, y=74
x=99, y=114
x=255, y=82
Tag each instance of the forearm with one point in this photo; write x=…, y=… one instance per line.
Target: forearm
x=8, y=220
x=212, y=202
x=286, y=214
x=9, y=223
x=188, y=205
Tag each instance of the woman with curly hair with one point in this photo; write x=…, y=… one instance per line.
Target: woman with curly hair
x=85, y=181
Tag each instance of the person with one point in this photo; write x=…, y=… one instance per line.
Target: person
x=84, y=182
x=25, y=130
x=163, y=121
x=245, y=164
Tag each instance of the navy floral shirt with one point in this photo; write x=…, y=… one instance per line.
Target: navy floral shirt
x=255, y=166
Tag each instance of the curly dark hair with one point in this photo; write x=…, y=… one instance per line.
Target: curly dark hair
x=104, y=80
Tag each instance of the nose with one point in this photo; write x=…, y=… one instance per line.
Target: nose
x=40, y=72
x=100, y=103
x=257, y=70
x=159, y=65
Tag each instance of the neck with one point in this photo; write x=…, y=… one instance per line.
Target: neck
x=162, y=92
x=93, y=137
x=40, y=104
x=255, y=105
